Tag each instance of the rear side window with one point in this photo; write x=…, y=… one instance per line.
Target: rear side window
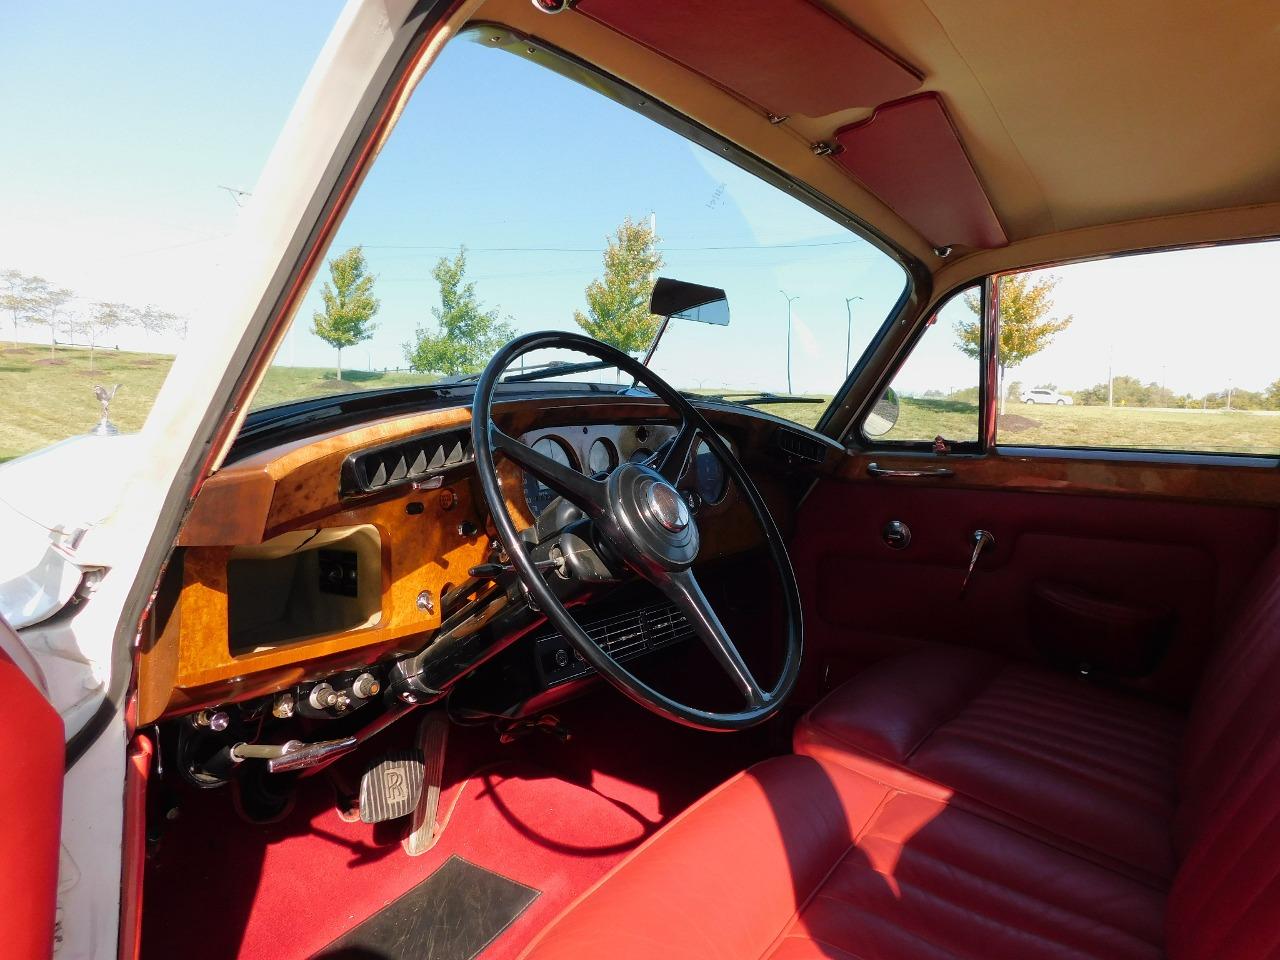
x=1168, y=352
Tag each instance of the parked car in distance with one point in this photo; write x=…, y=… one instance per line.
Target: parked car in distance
x=1042, y=395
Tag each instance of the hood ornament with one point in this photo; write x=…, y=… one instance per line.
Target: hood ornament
x=104, y=428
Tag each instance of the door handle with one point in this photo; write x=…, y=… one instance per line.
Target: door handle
x=981, y=540
x=896, y=474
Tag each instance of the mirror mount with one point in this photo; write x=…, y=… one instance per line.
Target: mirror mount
x=686, y=301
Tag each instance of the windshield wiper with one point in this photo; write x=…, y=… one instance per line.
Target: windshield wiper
x=541, y=371
x=755, y=399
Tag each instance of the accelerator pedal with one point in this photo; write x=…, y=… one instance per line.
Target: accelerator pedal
x=425, y=828
x=391, y=786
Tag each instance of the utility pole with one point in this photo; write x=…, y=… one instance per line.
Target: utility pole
x=848, y=335
x=789, y=301
x=1111, y=355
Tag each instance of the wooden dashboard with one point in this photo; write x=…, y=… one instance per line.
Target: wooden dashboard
x=254, y=600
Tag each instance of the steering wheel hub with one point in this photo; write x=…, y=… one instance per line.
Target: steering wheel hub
x=667, y=507
x=649, y=519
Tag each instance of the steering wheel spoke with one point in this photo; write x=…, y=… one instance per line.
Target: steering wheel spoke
x=671, y=460
x=584, y=493
x=682, y=588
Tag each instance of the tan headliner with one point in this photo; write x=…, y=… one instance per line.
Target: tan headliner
x=1094, y=126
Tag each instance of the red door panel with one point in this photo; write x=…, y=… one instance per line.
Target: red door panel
x=1183, y=563
x=31, y=741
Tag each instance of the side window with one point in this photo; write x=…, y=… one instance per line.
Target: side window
x=935, y=391
x=1170, y=352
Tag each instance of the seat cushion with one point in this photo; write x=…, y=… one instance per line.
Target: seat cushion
x=800, y=859
x=1056, y=757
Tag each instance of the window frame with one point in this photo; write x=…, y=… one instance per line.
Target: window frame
x=986, y=361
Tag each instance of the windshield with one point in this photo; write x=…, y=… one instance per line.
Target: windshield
x=511, y=198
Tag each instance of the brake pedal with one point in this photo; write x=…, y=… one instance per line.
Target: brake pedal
x=425, y=830
x=391, y=787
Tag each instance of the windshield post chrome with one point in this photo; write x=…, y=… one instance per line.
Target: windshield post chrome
x=653, y=347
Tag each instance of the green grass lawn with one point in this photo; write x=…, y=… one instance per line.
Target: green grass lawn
x=42, y=402
x=1121, y=427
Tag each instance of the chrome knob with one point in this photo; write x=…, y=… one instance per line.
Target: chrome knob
x=322, y=696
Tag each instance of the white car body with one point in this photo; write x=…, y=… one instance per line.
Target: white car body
x=1043, y=395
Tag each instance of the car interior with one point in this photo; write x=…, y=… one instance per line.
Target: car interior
x=514, y=666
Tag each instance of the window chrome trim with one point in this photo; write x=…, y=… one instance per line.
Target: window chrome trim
x=1123, y=455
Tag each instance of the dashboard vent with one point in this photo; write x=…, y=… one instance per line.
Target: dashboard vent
x=405, y=461
x=796, y=444
x=622, y=636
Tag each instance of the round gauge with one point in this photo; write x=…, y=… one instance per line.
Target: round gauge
x=641, y=454
x=536, y=493
x=602, y=457
x=709, y=475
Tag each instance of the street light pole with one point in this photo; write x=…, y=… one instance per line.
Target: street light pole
x=789, y=299
x=848, y=335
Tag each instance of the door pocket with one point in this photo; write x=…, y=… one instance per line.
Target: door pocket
x=1081, y=631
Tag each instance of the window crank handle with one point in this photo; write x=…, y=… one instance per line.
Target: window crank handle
x=981, y=540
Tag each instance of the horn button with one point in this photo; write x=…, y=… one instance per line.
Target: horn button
x=652, y=516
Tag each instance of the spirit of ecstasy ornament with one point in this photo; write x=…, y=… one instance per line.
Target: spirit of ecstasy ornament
x=105, y=427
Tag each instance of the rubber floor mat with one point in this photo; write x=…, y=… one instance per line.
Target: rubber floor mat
x=452, y=915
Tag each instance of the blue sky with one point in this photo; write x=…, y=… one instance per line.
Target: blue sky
x=120, y=122
x=123, y=121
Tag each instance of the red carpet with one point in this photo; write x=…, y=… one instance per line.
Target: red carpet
x=553, y=816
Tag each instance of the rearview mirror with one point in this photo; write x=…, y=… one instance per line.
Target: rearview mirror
x=689, y=301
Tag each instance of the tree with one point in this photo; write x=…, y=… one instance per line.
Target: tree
x=466, y=334
x=16, y=292
x=349, y=304
x=154, y=320
x=618, y=304
x=1026, y=301
x=101, y=319
x=1272, y=394
x=45, y=306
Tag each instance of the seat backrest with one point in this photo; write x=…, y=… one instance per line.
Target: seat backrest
x=1225, y=902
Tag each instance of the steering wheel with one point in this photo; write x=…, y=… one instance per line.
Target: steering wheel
x=643, y=522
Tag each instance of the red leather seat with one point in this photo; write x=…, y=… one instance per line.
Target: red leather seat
x=977, y=810
x=1052, y=755
x=798, y=859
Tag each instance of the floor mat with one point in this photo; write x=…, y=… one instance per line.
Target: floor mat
x=551, y=815
x=452, y=915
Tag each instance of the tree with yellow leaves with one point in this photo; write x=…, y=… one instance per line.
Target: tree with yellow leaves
x=1025, y=303
x=618, y=305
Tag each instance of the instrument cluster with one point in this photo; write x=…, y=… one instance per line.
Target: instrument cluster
x=597, y=449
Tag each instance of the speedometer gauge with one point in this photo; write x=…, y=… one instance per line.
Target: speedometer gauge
x=602, y=457
x=536, y=493
x=709, y=474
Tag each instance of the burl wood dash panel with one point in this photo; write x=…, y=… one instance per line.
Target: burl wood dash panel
x=187, y=661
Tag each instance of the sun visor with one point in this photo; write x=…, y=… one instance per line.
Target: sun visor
x=909, y=155
x=786, y=56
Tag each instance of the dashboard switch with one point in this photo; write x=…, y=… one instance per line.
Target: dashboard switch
x=365, y=686
x=322, y=696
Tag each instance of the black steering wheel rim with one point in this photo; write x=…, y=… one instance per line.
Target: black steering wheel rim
x=663, y=556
